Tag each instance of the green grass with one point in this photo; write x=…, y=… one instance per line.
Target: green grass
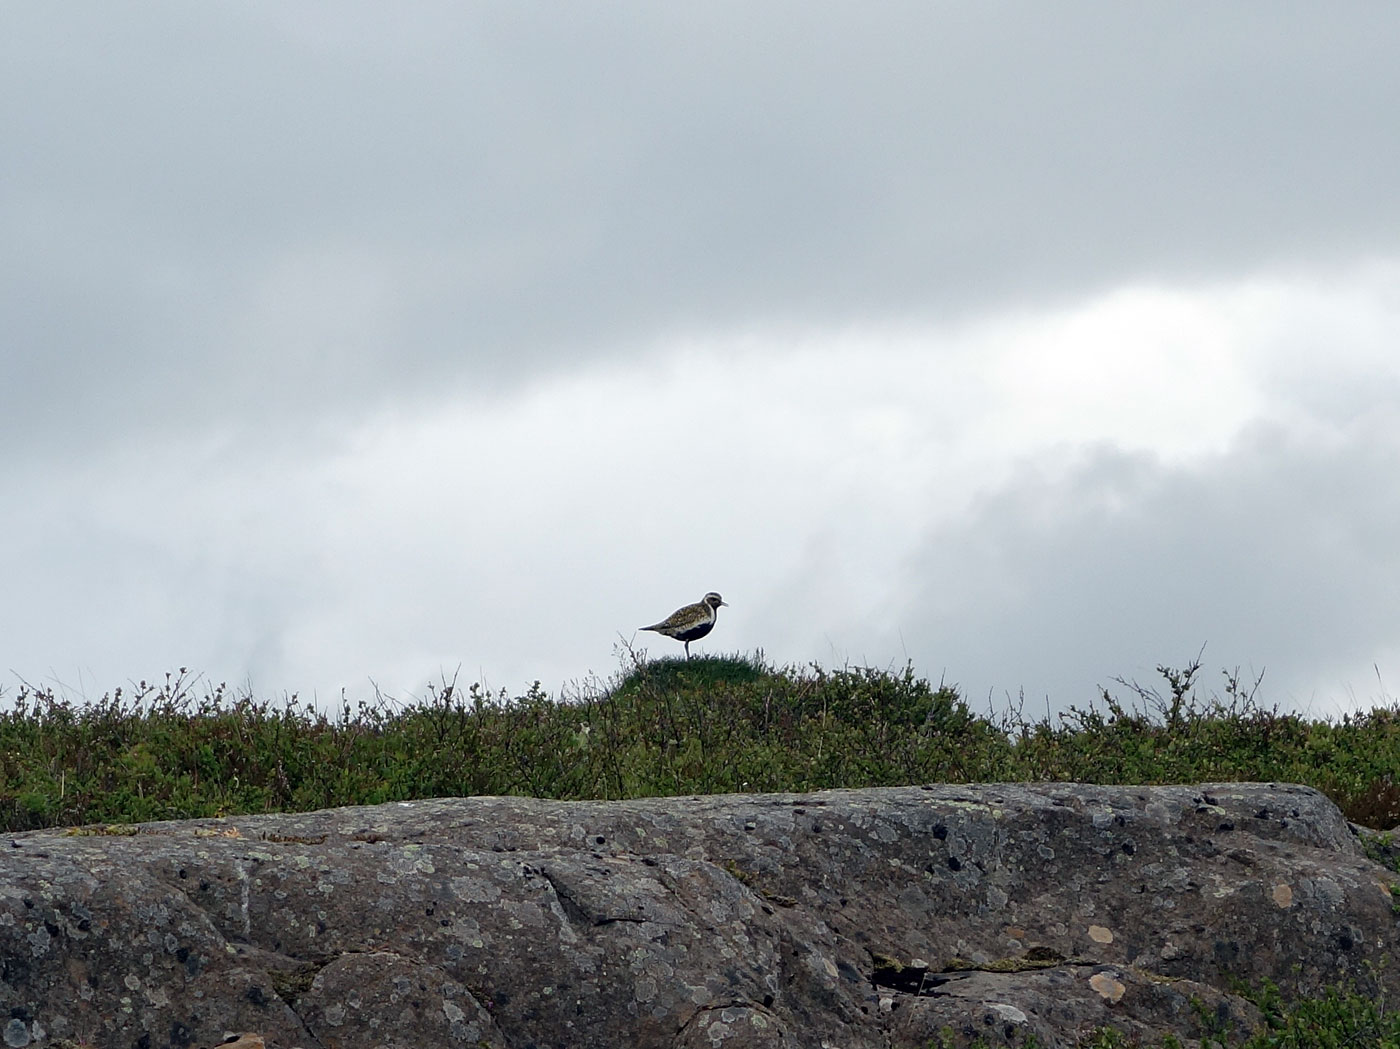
x=1340, y=1019
x=177, y=749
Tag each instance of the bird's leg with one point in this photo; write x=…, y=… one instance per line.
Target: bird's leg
x=687, y=649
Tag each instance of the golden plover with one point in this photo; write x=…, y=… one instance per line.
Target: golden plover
x=691, y=622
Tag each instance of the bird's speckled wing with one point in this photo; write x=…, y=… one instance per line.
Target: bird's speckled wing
x=690, y=615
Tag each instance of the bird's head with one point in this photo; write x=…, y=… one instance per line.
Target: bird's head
x=714, y=600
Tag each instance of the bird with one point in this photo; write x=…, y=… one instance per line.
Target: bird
x=691, y=622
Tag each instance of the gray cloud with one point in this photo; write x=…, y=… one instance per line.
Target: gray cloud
x=1278, y=555
x=233, y=213
x=252, y=234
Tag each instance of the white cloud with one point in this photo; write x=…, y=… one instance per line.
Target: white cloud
x=1042, y=501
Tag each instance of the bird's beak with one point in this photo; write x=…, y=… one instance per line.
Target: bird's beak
x=725, y=603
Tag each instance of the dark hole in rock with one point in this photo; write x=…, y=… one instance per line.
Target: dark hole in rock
x=940, y=832
x=897, y=977
x=954, y=864
x=1226, y=826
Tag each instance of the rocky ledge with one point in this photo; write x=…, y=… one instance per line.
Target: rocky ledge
x=854, y=919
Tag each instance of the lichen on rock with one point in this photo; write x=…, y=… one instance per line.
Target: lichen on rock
x=861, y=918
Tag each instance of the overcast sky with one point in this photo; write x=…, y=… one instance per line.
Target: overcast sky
x=1034, y=343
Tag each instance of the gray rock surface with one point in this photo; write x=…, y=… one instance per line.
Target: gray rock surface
x=855, y=919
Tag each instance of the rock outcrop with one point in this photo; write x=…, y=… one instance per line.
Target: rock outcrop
x=855, y=919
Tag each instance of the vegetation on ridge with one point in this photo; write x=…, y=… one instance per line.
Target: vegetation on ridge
x=177, y=749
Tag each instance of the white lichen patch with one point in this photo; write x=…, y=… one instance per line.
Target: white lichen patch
x=1223, y=888
x=1162, y=811
x=1008, y=1012
x=39, y=941
x=410, y=859
x=475, y=890
x=1324, y=891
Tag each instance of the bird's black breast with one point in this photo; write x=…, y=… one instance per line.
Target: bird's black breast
x=693, y=633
